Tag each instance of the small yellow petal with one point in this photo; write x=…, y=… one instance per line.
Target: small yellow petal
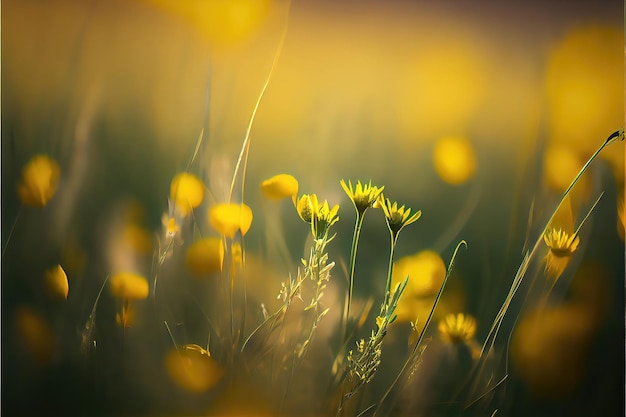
x=127, y=285
x=39, y=181
x=228, y=219
x=205, y=256
x=280, y=186
x=186, y=192
x=56, y=282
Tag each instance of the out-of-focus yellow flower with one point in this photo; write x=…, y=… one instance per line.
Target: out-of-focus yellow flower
x=426, y=271
x=35, y=333
x=40, y=178
x=230, y=218
x=56, y=282
x=220, y=21
x=205, y=256
x=362, y=196
x=193, y=369
x=561, y=165
x=397, y=217
x=186, y=192
x=621, y=218
x=454, y=159
x=585, y=86
x=138, y=238
x=280, y=186
x=561, y=247
x=455, y=328
x=549, y=349
x=128, y=286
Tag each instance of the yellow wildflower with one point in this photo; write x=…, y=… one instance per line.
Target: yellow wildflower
x=56, y=282
x=186, y=192
x=562, y=245
x=205, y=256
x=280, y=186
x=127, y=286
x=397, y=217
x=39, y=181
x=456, y=328
x=229, y=218
x=323, y=217
x=362, y=196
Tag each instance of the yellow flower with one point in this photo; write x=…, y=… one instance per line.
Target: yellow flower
x=280, y=186
x=127, y=286
x=56, y=282
x=456, y=328
x=323, y=217
x=39, y=181
x=561, y=246
x=362, y=196
x=205, y=256
x=304, y=207
x=396, y=217
x=186, y=192
x=229, y=218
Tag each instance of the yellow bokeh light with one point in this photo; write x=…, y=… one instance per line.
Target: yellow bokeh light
x=56, y=282
x=454, y=159
x=186, y=192
x=221, y=22
x=229, y=218
x=193, y=369
x=205, y=256
x=585, y=86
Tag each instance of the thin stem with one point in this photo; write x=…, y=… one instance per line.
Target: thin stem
x=394, y=239
x=355, y=243
x=6, y=245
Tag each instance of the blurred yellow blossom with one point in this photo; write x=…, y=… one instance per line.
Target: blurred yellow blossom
x=36, y=335
x=219, y=21
x=456, y=328
x=127, y=286
x=192, y=368
x=56, y=282
x=40, y=178
x=230, y=218
x=186, y=192
x=585, y=86
x=426, y=271
x=549, y=349
x=454, y=159
x=205, y=256
x=280, y=186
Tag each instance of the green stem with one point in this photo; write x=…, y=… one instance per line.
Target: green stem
x=394, y=239
x=353, y=249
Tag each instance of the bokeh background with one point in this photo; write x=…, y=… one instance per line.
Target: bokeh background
x=478, y=113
